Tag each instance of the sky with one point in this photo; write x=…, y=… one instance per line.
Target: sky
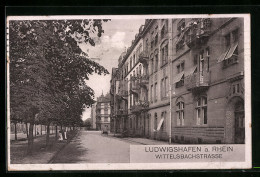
x=118, y=35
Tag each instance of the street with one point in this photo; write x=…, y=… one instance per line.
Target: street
x=93, y=147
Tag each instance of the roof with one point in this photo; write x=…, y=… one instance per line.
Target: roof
x=103, y=98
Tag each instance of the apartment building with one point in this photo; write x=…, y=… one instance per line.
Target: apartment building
x=208, y=84
x=103, y=112
x=182, y=80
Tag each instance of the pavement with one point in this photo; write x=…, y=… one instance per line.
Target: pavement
x=95, y=147
x=141, y=141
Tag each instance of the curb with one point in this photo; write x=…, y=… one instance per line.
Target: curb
x=125, y=139
x=57, y=153
x=122, y=139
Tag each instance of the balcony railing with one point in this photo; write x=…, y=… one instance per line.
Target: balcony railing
x=143, y=58
x=122, y=94
x=134, y=87
x=144, y=81
x=121, y=112
x=198, y=32
x=140, y=106
x=198, y=80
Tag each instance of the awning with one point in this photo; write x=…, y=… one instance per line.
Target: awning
x=222, y=56
x=228, y=53
x=190, y=71
x=160, y=124
x=231, y=51
x=178, y=77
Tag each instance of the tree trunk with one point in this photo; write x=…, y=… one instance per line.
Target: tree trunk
x=41, y=129
x=35, y=130
x=48, y=135
x=27, y=134
x=30, y=139
x=56, y=132
x=15, y=131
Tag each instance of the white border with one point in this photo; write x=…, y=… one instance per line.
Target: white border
x=151, y=166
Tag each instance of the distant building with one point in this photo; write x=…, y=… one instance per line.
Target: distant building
x=93, y=116
x=103, y=112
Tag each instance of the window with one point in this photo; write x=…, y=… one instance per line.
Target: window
x=146, y=45
x=155, y=92
x=131, y=64
x=156, y=63
x=162, y=32
x=227, y=40
x=195, y=60
x=155, y=121
x=231, y=41
x=164, y=87
x=180, y=67
x=152, y=65
x=181, y=26
x=180, y=113
x=151, y=94
x=207, y=57
x=164, y=55
x=152, y=43
x=180, y=35
x=133, y=60
x=140, y=69
x=155, y=39
x=234, y=36
x=201, y=111
x=106, y=119
x=202, y=61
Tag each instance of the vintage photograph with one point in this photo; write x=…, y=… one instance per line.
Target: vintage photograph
x=128, y=92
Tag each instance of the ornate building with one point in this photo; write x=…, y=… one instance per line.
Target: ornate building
x=103, y=112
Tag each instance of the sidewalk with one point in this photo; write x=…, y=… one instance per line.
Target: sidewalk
x=143, y=141
x=41, y=154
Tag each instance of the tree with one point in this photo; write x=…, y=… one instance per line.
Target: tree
x=87, y=123
x=48, y=70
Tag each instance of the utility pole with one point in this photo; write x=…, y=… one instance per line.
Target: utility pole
x=170, y=80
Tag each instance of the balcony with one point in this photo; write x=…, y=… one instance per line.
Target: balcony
x=140, y=106
x=122, y=94
x=198, y=32
x=197, y=81
x=134, y=85
x=121, y=112
x=144, y=81
x=143, y=58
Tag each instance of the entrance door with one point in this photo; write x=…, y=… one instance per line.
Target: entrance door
x=239, y=123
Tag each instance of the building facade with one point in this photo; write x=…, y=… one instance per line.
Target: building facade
x=182, y=80
x=103, y=113
x=208, y=84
